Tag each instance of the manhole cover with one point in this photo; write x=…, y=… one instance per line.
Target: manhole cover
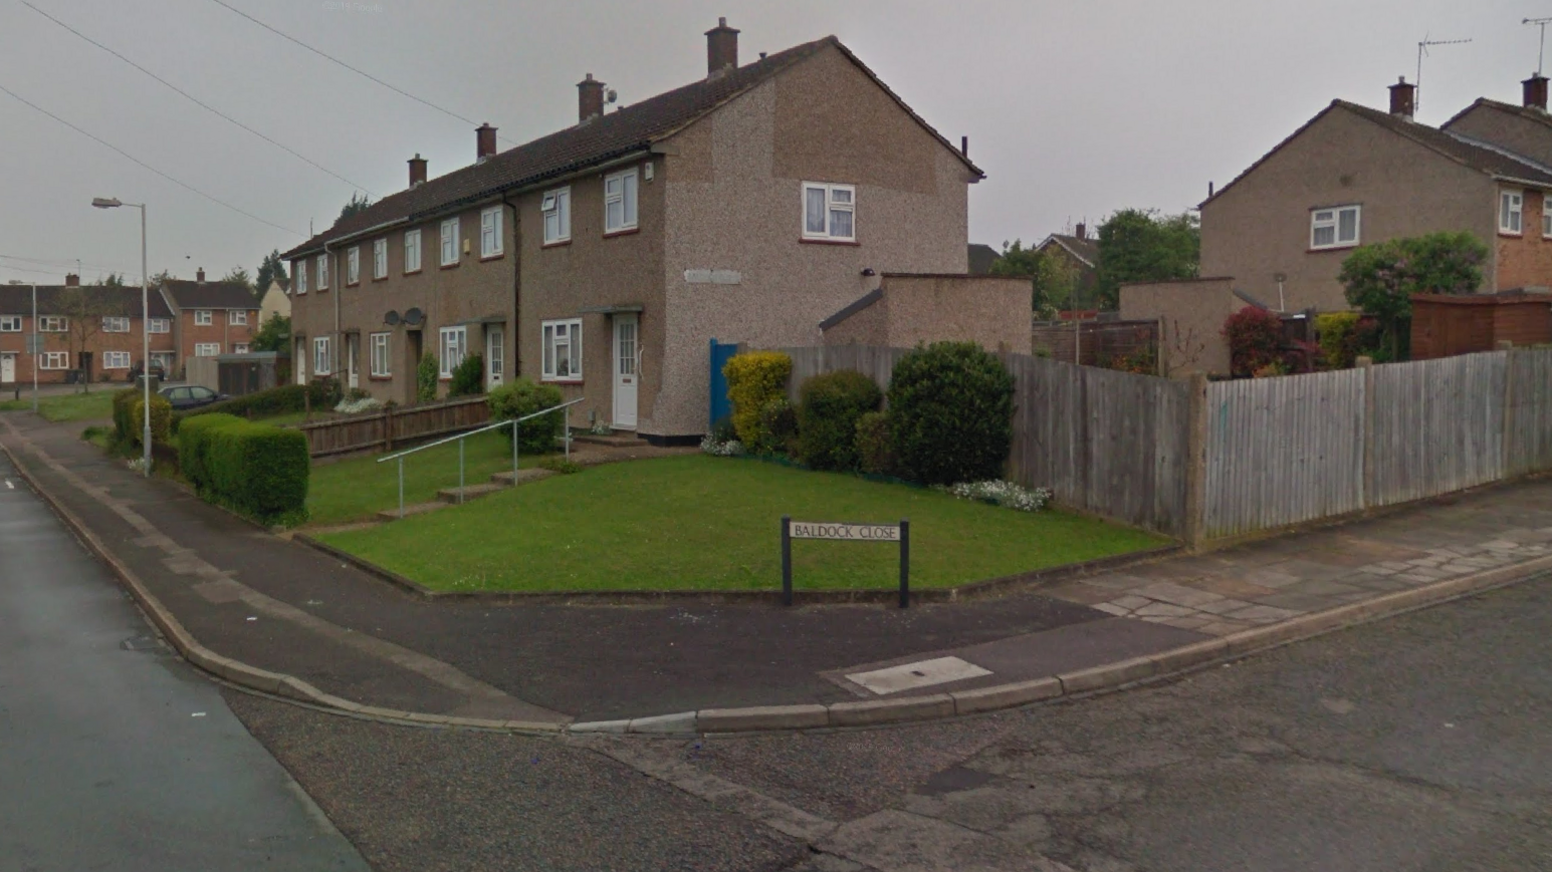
x=141, y=643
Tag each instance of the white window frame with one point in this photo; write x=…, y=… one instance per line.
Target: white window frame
x=53, y=324
x=1511, y=212
x=1330, y=218
x=832, y=205
x=555, y=209
x=299, y=276
x=382, y=363
x=564, y=333
x=1546, y=215
x=380, y=258
x=237, y=317
x=323, y=272
x=10, y=323
x=159, y=325
x=412, y=250
x=452, y=342
x=203, y=318
x=353, y=265
x=449, y=238
x=323, y=362
x=115, y=360
x=491, y=244
x=207, y=349
x=239, y=348
x=115, y=324
x=625, y=195
x=49, y=358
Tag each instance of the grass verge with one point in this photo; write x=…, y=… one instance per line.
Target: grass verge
x=702, y=523
x=97, y=405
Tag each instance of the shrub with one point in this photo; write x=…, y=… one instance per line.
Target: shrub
x=521, y=397
x=560, y=465
x=778, y=427
x=121, y=420
x=161, y=419
x=828, y=408
x=468, y=377
x=1255, y=339
x=322, y=393
x=259, y=470
x=754, y=379
x=951, y=413
x=426, y=375
x=194, y=444
x=875, y=453
x=1009, y=495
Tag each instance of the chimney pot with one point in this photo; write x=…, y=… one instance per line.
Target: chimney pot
x=1403, y=99
x=1536, y=92
x=72, y=280
x=590, y=98
x=484, y=143
x=1081, y=230
x=199, y=275
x=721, y=48
x=417, y=170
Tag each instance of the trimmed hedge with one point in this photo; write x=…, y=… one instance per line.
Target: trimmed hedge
x=468, y=377
x=257, y=469
x=121, y=420
x=521, y=397
x=829, y=406
x=951, y=413
x=325, y=394
x=754, y=379
x=875, y=452
x=161, y=419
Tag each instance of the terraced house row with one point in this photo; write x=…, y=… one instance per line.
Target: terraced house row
x=748, y=206
x=94, y=331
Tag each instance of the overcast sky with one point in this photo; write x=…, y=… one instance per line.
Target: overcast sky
x=1074, y=109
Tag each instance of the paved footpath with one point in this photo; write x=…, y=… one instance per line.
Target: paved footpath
x=280, y=606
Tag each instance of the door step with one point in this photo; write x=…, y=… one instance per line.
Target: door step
x=411, y=509
x=469, y=492
x=524, y=476
x=617, y=439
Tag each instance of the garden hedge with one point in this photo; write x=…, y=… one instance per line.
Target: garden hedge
x=161, y=419
x=828, y=408
x=875, y=452
x=521, y=397
x=951, y=413
x=257, y=469
x=754, y=379
x=468, y=378
x=324, y=394
x=193, y=446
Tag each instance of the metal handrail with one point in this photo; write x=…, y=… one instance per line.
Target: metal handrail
x=512, y=422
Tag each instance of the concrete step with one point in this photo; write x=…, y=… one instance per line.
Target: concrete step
x=411, y=509
x=524, y=476
x=617, y=439
x=470, y=492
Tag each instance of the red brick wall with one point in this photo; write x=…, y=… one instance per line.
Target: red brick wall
x=98, y=343
x=1525, y=260
x=219, y=331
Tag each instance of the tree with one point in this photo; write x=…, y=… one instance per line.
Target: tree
x=1053, y=281
x=271, y=270
x=1381, y=277
x=83, y=313
x=358, y=203
x=111, y=280
x=274, y=334
x=1137, y=245
x=239, y=275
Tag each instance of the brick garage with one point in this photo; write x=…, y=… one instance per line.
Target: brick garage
x=1443, y=325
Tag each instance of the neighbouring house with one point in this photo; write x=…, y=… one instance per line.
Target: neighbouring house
x=1355, y=175
x=982, y=256
x=905, y=310
x=1080, y=253
x=91, y=329
x=748, y=206
x=210, y=318
x=275, y=301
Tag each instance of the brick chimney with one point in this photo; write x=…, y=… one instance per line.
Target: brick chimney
x=1403, y=99
x=417, y=170
x=1536, y=92
x=484, y=143
x=199, y=275
x=72, y=280
x=590, y=98
x=1081, y=230
x=721, y=48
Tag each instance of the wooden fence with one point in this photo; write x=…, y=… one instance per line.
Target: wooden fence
x=1204, y=461
x=381, y=431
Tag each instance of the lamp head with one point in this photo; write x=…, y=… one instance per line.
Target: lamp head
x=106, y=202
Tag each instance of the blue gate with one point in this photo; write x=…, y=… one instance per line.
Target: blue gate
x=721, y=404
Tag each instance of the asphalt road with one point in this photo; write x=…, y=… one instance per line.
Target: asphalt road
x=114, y=754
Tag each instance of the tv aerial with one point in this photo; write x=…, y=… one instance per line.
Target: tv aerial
x=1542, y=50
x=1422, y=51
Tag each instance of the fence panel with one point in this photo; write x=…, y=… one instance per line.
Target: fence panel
x=1529, y=442
x=1437, y=427
x=373, y=432
x=1283, y=450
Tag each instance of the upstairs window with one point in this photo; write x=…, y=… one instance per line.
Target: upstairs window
x=450, y=242
x=202, y=318
x=620, y=201
x=159, y=325
x=556, y=208
x=299, y=271
x=53, y=324
x=380, y=259
x=1511, y=206
x=237, y=317
x=115, y=324
x=10, y=323
x=412, y=251
x=323, y=272
x=1336, y=227
x=490, y=232
x=353, y=265
x=829, y=211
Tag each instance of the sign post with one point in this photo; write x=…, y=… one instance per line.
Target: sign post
x=900, y=533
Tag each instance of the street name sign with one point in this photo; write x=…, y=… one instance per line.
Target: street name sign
x=894, y=533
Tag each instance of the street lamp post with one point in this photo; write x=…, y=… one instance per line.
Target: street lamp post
x=145, y=328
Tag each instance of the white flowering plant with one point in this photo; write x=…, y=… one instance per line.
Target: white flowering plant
x=1009, y=495
x=726, y=448
x=359, y=405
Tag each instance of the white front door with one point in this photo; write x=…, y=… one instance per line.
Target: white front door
x=299, y=361
x=495, y=357
x=7, y=368
x=627, y=362
x=352, y=343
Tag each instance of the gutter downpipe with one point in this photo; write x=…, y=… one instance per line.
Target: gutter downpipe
x=517, y=288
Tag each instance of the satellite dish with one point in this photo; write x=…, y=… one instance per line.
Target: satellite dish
x=414, y=317
x=391, y=319
x=611, y=96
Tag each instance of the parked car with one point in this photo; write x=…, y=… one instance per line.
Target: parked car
x=191, y=397
x=158, y=371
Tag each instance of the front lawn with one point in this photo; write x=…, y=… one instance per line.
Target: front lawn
x=350, y=490
x=698, y=522
x=94, y=406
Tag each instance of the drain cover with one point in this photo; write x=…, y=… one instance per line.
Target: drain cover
x=141, y=643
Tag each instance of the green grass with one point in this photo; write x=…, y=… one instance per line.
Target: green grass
x=97, y=405
x=700, y=523
x=351, y=490
x=102, y=437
